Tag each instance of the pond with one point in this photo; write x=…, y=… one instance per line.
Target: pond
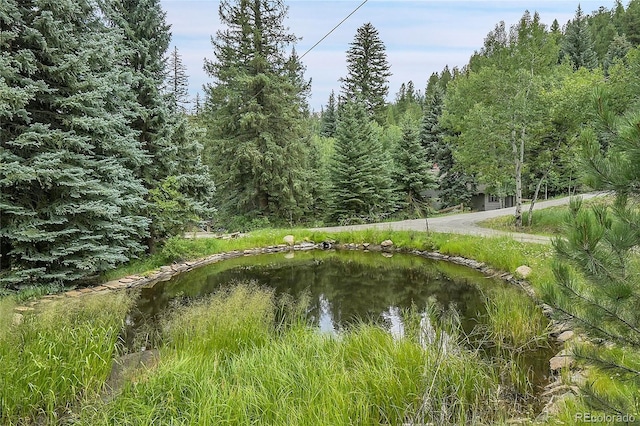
x=344, y=288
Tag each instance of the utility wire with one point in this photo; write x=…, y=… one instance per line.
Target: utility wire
x=334, y=28
x=319, y=41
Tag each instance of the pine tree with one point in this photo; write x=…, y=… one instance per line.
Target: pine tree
x=329, y=117
x=258, y=129
x=368, y=72
x=184, y=198
x=70, y=205
x=359, y=169
x=597, y=284
x=577, y=44
x=177, y=81
x=412, y=173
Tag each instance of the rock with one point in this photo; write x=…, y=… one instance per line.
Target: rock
x=307, y=246
x=386, y=244
x=289, y=239
x=366, y=245
x=523, y=271
x=560, y=361
x=326, y=245
x=560, y=328
x=566, y=335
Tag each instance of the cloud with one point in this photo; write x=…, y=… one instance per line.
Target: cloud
x=421, y=37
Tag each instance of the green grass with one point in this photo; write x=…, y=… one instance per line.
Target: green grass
x=548, y=221
x=56, y=356
x=225, y=361
x=545, y=222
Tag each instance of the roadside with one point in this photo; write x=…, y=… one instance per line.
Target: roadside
x=462, y=223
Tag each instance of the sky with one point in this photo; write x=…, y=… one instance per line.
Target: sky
x=420, y=36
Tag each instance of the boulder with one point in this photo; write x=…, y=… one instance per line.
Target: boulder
x=386, y=244
x=566, y=335
x=288, y=239
x=523, y=271
x=560, y=361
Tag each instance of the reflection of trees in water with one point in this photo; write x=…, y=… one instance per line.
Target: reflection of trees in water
x=345, y=287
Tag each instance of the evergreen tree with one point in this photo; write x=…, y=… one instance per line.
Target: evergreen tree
x=296, y=70
x=359, y=169
x=329, y=117
x=157, y=120
x=184, y=198
x=602, y=30
x=631, y=22
x=413, y=174
x=177, y=81
x=455, y=187
x=618, y=49
x=367, y=71
x=577, y=44
x=258, y=131
x=70, y=204
x=597, y=282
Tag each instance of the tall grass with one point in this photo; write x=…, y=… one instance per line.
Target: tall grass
x=56, y=356
x=228, y=361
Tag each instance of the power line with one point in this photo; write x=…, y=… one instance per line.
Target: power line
x=319, y=41
x=333, y=29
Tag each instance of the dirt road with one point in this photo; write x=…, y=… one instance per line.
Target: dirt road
x=462, y=223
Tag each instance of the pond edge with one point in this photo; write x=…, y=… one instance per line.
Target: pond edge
x=552, y=394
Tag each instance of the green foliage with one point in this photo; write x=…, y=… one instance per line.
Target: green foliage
x=596, y=276
x=329, y=117
x=171, y=210
x=258, y=130
x=360, y=179
x=170, y=143
x=367, y=72
x=57, y=356
x=577, y=44
x=241, y=368
x=617, y=51
x=412, y=173
x=177, y=81
x=70, y=205
x=497, y=110
x=454, y=185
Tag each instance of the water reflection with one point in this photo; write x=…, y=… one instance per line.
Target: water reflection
x=343, y=288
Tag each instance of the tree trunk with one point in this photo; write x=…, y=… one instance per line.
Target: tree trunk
x=535, y=194
x=518, y=157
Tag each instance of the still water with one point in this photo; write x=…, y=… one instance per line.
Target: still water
x=343, y=288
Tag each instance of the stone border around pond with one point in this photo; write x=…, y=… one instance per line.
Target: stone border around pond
x=554, y=392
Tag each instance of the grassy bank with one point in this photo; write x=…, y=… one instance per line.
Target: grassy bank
x=253, y=369
x=500, y=253
x=56, y=356
x=225, y=361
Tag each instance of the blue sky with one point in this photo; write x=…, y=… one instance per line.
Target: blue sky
x=420, y=36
